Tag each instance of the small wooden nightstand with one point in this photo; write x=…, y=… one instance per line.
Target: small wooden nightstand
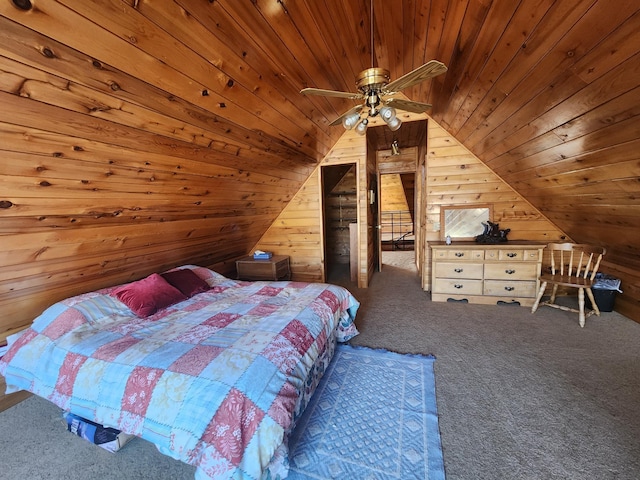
x=276, y=268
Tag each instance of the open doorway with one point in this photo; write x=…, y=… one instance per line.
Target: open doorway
x=398, y=220
x=340, y=215
x=397, y=211
x=400, y=161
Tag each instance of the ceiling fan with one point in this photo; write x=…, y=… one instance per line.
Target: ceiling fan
x=376, y=91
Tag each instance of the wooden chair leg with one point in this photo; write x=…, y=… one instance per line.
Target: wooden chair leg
x=543, y=287
x=594, y=305
x=581, y=306
x=553, y=294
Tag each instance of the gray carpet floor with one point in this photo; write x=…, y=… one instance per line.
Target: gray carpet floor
x=520, y=396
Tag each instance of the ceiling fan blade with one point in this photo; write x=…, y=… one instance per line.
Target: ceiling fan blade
x=408, y=105
x=430, y=69
x=331, y=93
x=338, y=120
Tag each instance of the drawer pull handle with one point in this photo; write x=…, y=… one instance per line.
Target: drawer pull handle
x=458, y=270
x=459, y=254
x=458, y=286
x=509, y=272
x=512, y=254
x=509, y=289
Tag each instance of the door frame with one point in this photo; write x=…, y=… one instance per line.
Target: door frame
x=390, y=169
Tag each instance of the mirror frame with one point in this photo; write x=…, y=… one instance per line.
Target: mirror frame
x=443, y=208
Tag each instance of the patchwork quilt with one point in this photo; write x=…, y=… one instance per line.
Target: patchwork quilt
x=212, y=380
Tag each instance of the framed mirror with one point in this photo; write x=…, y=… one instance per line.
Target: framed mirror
x=463, y=222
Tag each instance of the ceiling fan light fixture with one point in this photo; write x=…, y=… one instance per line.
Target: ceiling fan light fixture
x=350, y=121
x=394, y=124
x=373, y=86
x=388, y=113
x=361, y=128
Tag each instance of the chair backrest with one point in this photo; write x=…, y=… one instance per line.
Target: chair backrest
x=575, y=260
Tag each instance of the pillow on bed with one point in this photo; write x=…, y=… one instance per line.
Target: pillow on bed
x=187, y=281
x=145, y=297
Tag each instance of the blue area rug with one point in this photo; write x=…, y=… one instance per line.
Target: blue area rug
x=373, y=417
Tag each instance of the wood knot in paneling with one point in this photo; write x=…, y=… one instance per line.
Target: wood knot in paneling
x=6, y=204
x=47, y=52
x=23, y=4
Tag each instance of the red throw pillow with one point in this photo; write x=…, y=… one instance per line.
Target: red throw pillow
x=187, y=281
x=145, y=297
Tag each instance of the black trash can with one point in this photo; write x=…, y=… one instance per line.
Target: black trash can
x=604, y=291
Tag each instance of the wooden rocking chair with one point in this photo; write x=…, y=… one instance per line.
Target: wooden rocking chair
x=577, y=265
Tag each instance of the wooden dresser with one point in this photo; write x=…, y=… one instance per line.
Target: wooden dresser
x=481, y=273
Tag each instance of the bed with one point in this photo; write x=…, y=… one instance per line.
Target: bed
x=214, y=373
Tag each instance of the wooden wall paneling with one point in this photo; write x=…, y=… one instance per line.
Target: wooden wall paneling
x=448, y=43
x=406, y=34
x=24, y=111
x=487, y=39
x=302, y=214
x=236, y=66
x=108, y=256
x=388, y=39
x=26, y=46
x=338, y=33
x=159, y=124
x=352, y=148
x=280, y=51
x=57, y=22
x=556, y=64
x=463, y=51
x=435, y=25
x=272, y=64
x=449, y=184
x=532, y=155
x=307, y=264
x=393, y=197
x=340, y=210
x=406, y=161
x=615, y=83
x=513, y=38
x=112, y=158
x=490, y=111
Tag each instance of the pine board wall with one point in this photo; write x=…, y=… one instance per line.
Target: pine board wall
x=452, y=176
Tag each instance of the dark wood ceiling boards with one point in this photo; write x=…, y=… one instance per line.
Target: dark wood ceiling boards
x=544, y=92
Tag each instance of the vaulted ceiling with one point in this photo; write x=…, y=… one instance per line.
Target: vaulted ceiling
x=545, y=92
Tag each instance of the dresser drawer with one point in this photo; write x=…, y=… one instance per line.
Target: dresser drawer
x=458, y=286
x=511, y=271
x=459, y=270
x=459, y=254
x=506, y=288
x=506, y=255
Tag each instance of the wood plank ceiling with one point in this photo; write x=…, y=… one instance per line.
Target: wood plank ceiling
x=545, y=92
